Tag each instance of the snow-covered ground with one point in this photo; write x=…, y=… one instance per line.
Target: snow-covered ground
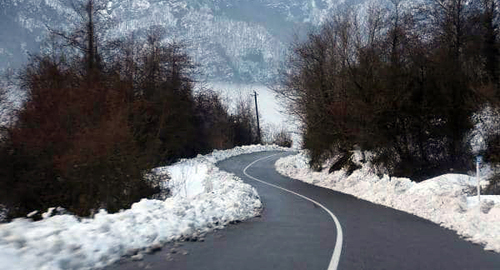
x=445, y=199
x=203, y=198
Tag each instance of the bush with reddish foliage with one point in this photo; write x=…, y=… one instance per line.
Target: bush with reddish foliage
x=72, y=146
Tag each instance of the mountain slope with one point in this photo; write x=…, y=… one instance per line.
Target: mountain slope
x=233, y=40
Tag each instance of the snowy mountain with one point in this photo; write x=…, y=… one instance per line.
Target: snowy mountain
x=233, y=40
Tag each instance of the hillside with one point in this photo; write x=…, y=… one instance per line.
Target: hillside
x=232, y=40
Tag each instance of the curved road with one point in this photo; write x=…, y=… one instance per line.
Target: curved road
x=297, y=233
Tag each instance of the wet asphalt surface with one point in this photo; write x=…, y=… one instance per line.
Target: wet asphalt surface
x=293, y=233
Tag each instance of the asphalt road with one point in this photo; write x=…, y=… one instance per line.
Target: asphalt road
x=295, y=233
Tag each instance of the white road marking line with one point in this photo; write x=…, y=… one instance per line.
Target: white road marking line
x=334, y=262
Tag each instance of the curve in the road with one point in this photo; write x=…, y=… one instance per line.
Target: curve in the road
x=334, y=262
x=293, y=233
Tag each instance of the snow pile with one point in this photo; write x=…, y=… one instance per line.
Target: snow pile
x=3, y=213
x=203, y=198
x=219, y=155
x=442, y=199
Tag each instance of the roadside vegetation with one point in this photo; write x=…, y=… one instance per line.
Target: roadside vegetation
x=402, y=83
x=281, y=137
x=99, y=115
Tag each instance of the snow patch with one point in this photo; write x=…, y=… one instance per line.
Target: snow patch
x=486, y=124
x=443, y=199
x=203, y=198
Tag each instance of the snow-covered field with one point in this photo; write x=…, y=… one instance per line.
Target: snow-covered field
x=203, y=198
x=443, y=200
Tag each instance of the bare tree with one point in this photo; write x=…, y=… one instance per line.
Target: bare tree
x=388, y=85
x=489, y=22
x=87, y=33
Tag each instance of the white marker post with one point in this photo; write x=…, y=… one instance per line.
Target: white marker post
x=479, y=159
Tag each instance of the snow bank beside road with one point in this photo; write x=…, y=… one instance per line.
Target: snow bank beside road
x=442, y=199
x=203, y=198
x=219, y=155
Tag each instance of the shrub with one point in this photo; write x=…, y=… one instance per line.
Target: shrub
x=72, y=146
x=282, y=138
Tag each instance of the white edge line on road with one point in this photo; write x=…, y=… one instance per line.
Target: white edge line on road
x=334, y=262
